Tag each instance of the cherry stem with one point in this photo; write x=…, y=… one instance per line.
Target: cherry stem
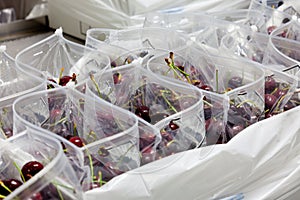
x=207, y=103
x=96, y=85
x=5, y=187
x=64, y=119
x=20, y=171
x=246, y=101
x=171, y=64
x=2, y=131
x=167, y=101
x=123, y=156
x=60, y=74
x=2, y=196
x=90, y=162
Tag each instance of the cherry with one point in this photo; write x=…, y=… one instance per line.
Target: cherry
x=289, y=105
x=270, y=100
x=173, y=126
x=11, y=184
x=8, y=132
x=235, y=82
x=234, y=130
x=279, y=92
x=36, y=196
x=270, y=29
x=206, y=87
x=270, y=84
x=31, y=168
x=117, y=78
x=143, y=112
x=77, y=141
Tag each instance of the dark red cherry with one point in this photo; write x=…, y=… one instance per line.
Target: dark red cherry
x=8, y=132
x=31, y=168
x=206, y=87
x=270, y=84
x=36, y=196
x=143, y=112
x=9, y=186
x=235, y=82
x=64, y=80
x=77, y=141
x=270, y=29
x=279, y=92
x=270, y=100
x=117, y=78
x=173, y=126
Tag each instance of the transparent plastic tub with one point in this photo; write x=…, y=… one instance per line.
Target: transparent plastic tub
x=91, y=125
x=33, y=166
x=62, y=61
x=13, y=84
x=234, y=94
x=175, y=108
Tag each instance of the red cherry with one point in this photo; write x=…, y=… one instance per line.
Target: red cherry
x=270, y=29
x=31, y=168
x=173, y=126
x=77, y=141
x=270, y=100
x=206, y=87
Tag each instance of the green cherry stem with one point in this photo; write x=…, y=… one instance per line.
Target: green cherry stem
x=96, y=85
x=20, y=171
x=5, y=187
x=167, y=101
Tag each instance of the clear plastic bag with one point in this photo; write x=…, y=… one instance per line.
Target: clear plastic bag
x=279, y=89
x=273, y=18
x=234, y=95
x=64, y=62
x=289, y=30
x=33, y=166
x=245, y=43
x=127, y=45
x=199, y=27
x=175, y=108
x=94, y=126
x=13, y=84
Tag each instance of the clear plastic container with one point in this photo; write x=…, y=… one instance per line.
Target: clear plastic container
x=13, y=84
x=62, y=61
x=34, y=166
x=242, y=88
x=93, y=125
x=175, y=108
